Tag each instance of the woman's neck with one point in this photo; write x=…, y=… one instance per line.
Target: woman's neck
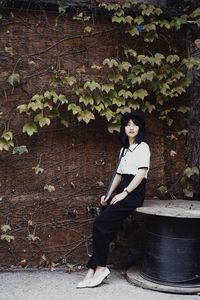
x=131, y=142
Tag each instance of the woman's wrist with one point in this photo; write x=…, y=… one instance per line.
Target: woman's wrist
x=126, y=190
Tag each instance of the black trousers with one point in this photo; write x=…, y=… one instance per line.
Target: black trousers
x=109, y=222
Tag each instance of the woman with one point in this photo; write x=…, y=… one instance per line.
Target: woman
x=129, y=182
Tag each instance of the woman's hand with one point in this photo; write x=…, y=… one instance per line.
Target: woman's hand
x=118, y=197
x=103, y=202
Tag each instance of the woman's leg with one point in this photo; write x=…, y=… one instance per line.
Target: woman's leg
x=104, y=230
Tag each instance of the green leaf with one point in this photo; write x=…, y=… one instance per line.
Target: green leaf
x=162, y=189
x=116, y=78
x=150, y=27
x=113, y=127
x=183, y=109
x=20, y=149
x=118, y=19
x=62, y=8
x=35, y=106
x=129, y=19
x=133, y=31
x=86, y=116
x=14, y=79
x=125, y=65
x=108, y=114
x=42, y=120
x=139, y=20
x=49, y=188
x=62, y=99
x=107, y=87
x=110, y=62
x=71, y=80
x=149, y=75
x=130, y=52
x=150, y=107
x=74, y=108
x=92, y=85
x=172, y=58
x=65, y=123
x=141, y=94
x=7, y=135
x=125, y=94
x=22, y=108
x=38, y=98
x=30, y=128
x=195, y=13
x=86, y=100
x=165, y=24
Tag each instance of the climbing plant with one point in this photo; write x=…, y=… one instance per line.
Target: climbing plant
x=147, y=77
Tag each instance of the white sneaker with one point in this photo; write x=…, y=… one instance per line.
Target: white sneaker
x=84, y=283
x=98, y=280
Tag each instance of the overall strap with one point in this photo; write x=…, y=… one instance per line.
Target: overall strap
x=113, y=176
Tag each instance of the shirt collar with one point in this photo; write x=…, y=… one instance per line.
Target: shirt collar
x=132, y=146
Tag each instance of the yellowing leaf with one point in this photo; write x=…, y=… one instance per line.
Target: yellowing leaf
x=5, y=227
x=32, y=237
x=49, y=188
x=188, y=193
x=88, y=29
x=173, y=153
x=197, y=43
x=20, y=149
x=38, y=169
x=7, y=237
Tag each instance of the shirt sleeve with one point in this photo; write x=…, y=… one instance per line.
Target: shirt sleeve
x=143, y=159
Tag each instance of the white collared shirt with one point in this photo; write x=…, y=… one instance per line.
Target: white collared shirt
x=137, y=156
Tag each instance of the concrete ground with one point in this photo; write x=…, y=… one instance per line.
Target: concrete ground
x=59, y=285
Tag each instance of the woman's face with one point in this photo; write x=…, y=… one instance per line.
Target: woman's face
x=131, y=129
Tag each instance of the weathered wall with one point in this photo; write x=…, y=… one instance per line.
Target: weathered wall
x=78, y=160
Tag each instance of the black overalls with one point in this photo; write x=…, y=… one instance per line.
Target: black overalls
x=111, y=219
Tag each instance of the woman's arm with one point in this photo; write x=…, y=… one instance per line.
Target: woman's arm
x=114, y=185
x=136, y=180
x=132, y=185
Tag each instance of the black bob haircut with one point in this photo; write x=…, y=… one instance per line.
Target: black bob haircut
x=138, y=118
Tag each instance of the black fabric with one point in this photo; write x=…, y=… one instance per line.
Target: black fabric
x=109, y=222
